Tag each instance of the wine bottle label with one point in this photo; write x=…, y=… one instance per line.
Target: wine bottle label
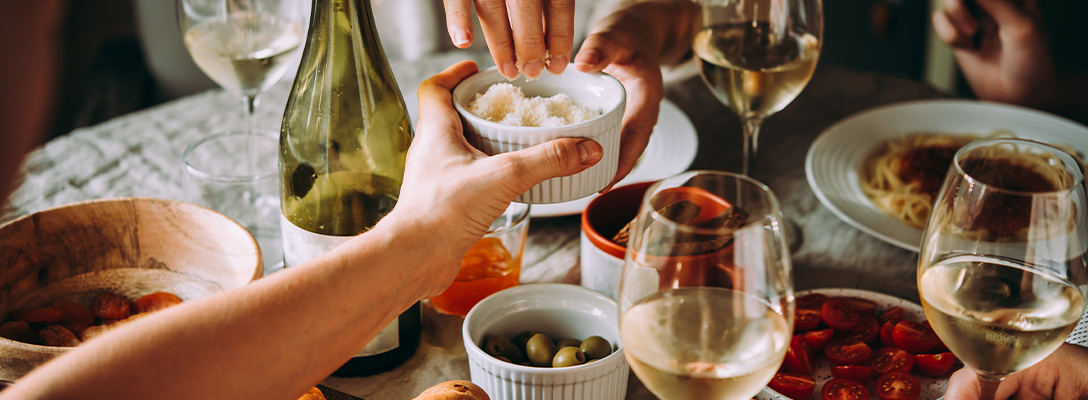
x=300, y=245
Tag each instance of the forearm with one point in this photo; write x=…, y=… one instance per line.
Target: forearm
x=271, y=339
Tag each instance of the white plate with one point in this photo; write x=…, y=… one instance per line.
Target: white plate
x=670, y=151
x=835, y=156
x=932, y=388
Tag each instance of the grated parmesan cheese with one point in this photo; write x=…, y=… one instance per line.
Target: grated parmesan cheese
x=506, y=104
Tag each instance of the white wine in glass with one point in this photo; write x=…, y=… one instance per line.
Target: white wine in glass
x=706, y=297
x=245, y=46
x=1001, y=272
x=757, y=55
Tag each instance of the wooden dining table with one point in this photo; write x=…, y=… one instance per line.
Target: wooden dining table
x=139, y=154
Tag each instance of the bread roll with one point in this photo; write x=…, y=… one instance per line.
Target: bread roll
x=453, y=390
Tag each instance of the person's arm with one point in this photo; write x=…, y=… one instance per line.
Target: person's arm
x=525, y=35
x=280, y=335
x=1062, y=375
x=632, y=44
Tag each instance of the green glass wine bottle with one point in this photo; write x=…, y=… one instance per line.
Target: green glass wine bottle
x=343, y=143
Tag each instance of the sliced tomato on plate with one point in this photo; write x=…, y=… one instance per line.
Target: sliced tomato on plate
x=914, y=337
x=811, y=301
x=898, y=386
x=894, y=314
x=794, y=386
x=886, y=334
x=862, y=306
x=867, y=330
x=839, y=315
x=817, y=340
x=798, y=357
x=805, y=320
x=858, y=373
x=934, y=364
x=844, y=389
x=891, y=359
x=848, y=351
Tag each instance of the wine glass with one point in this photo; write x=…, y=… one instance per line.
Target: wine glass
x=1001, y=272
x=243, y=45
x=757, y=55
x=706, y=296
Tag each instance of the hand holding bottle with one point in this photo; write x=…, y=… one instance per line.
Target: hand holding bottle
x=520, y=33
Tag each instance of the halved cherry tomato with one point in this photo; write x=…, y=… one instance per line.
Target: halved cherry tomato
x=867, y=330
x=848, y=351
x=940, y=347
x=805, y=320
x=817, y=340
x=811, y=301
x=839, y=315
x=863, y=306
x=37, y=316
x=886, y=334
x=844, y=389
x=891, y=359
x=794, y=386
x=858, y=373
x=894, y=314
x=898, y=386
x=913, y=337
x=935, y=364
x=798, y=357
x=73, y=314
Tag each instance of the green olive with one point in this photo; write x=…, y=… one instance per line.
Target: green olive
x=503, y=359
x=568, y=357
x=596, y=347
x=540, y=350
x=523, y=338
x=500, y=346
x=568, y=343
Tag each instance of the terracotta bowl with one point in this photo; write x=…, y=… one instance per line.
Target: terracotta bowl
x=131, y=246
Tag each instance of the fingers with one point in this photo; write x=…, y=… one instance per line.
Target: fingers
x=598, y=51
x=436, y=100
x=645, y=90
x=496, y=26
x=559, y=28
x=961, y=16
x=528, y=30
x=521, y=170
x=949, y=32
x=459, y=21
x=963, y=385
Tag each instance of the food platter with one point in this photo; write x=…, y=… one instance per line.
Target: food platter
x=932, y=388
x=833, y=163
x=670, y=151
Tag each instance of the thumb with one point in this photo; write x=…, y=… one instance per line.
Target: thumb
x=523, y=169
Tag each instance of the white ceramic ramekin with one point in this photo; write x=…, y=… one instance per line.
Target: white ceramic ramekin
x=600, y=91
x=560, y=311
x=607, y=214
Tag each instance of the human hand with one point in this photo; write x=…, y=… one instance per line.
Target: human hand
x=631, y=45
x=1012, y=61
x=454, y=191
x=1062, y=375
x=518, y=32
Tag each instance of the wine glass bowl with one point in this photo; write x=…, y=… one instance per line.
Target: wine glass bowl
x=706, y=297
x=1001, y=272
x=757, y=55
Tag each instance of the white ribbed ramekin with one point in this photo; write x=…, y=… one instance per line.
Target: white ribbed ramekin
x=560, y=311
x=600, y=91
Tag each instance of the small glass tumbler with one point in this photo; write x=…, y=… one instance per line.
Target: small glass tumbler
x=237, y=174
x=491, y=265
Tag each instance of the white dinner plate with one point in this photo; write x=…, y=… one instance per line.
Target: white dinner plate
x=834, y=159
x=932, y=388
x=670, y=151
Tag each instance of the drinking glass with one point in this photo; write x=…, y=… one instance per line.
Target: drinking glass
x=491, y=265
x=706, y=296
x=1001, y=272
x=757, y=55
x=237, y=174
x=243, y=45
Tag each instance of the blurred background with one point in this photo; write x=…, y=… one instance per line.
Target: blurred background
x=93, y=60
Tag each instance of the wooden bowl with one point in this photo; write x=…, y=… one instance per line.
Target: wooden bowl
x=131, y=246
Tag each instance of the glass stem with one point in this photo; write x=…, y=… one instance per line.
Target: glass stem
x=987, y=385
x=251, y=110
x=751, y=141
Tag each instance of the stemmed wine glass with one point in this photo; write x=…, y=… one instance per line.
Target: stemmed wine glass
x=757, y=55
x=1002, y=273
x=706, y=296
x=243, y=45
